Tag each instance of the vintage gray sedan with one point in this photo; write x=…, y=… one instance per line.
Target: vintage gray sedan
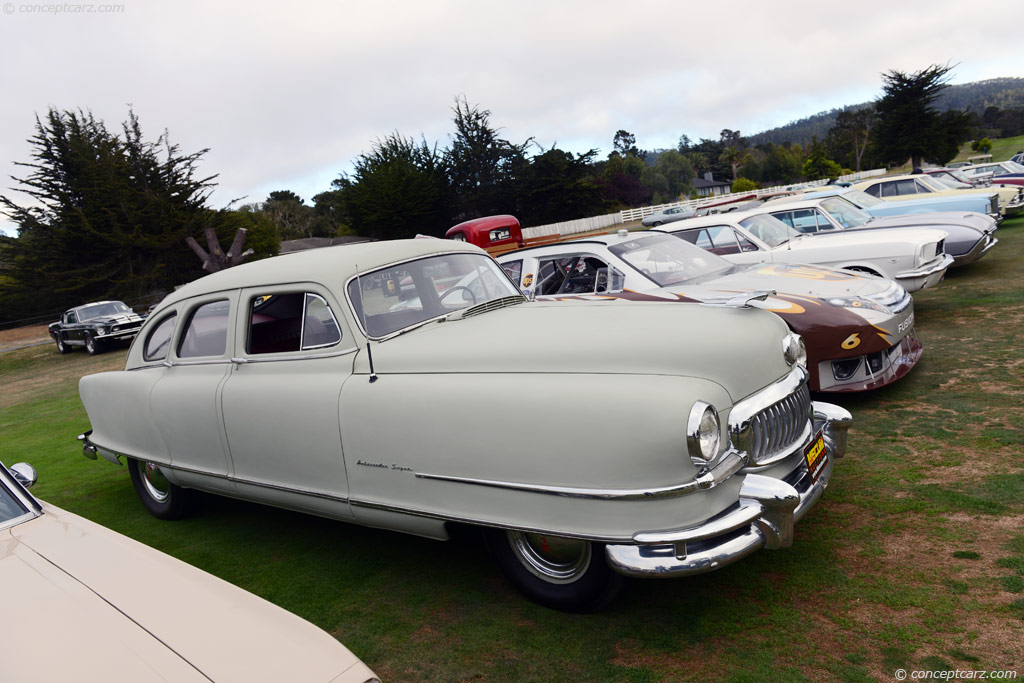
x=650, y=439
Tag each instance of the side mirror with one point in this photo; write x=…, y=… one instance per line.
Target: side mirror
x=24, y=473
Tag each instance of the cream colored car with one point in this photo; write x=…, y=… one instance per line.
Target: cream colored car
x=82, y=603
x=587, y=440
x=1007, y=200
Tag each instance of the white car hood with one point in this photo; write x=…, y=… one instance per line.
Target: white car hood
x=117, y=610
x=936, y=219
x=881, y=242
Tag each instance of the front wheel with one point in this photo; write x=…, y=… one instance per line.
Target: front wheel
x=566, y=574
x=91, y=345
x=163, y=499
x=62, y=346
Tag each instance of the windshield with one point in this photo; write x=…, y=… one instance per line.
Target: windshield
x=10, y=507
x=392, y=299
x=848, y=215
x=861, y=198
x=102, y=310
x=668, y=260
x=952, y=179
x=769, y=229
x=932, y=183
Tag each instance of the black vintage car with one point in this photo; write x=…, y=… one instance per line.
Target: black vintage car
x=95, y=325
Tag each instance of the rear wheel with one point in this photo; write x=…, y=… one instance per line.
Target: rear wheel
x=566, y=574
x=162, y=498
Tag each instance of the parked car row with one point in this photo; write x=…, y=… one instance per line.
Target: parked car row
x=705, y=338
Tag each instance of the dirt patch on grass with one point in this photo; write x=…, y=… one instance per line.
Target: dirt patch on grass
x=21, y=336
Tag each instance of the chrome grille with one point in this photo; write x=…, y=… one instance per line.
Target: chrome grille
x=773, y=422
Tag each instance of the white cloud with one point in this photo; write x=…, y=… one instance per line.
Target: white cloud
x=285, y=96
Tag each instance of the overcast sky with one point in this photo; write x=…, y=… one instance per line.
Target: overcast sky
x=285, y=95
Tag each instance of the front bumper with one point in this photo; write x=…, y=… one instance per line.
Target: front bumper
x=873, y=370
x=926, y=276
x=980, y=249
x=763, y=517
x=120, y=335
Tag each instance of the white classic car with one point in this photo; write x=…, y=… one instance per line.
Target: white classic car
x=287, y=382
x=914, y=258
x=858, y=329
x=83, y=603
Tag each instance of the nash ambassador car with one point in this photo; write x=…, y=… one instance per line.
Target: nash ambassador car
x=859, y=330
x=83, y=603
x=94, y=326
x=286, y=382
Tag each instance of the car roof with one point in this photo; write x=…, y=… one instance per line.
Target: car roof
x=328, y=264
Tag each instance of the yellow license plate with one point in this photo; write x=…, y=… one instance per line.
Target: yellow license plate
x=816, y=456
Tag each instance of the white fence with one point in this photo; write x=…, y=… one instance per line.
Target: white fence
x=629, y=215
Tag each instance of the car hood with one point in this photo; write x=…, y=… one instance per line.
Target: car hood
x=115, y=319
x=738, y=348
x=98, y=605
x=786, y=279
x=880, y=242
x=940, y=220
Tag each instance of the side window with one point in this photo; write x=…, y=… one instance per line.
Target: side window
x=319, y=326
x=922, y=188
x=692, y=236
x=72, y=318
x=905, y=187
x=577, y=274
x=801, y=220
x=159, y=340
x=745, y=244
x=873, y=191
x=207, y=331
x=514, y=270
x=282, y=323
x=889, y=190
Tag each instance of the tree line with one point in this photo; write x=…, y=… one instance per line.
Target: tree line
x=110, y=211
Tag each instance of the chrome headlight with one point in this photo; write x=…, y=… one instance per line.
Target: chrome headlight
x=703, y=433
x=102, y=330
x=794, y=350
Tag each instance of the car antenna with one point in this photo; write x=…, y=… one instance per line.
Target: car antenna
x=362, y=311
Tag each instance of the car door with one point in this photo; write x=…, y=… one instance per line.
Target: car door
x=185, y=399
x=281, y=402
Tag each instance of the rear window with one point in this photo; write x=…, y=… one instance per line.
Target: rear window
x=207, y=331
x=159, y=340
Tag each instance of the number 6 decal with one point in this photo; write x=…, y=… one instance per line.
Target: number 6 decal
x=851, y=342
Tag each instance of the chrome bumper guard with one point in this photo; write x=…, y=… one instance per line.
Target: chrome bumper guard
x=934, y=267
x=91, y=450
x=762, y=518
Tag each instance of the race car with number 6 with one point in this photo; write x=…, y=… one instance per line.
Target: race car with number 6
x=859, y=329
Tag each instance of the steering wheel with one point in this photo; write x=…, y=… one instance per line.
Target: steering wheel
x=448, y=291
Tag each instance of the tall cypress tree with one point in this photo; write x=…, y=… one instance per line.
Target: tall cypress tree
x=108, y=217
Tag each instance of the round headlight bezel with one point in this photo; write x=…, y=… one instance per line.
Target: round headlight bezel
x=794, y=350
x=703, y=433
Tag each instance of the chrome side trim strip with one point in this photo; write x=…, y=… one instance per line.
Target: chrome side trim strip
x=728, y=464
x=244, y=361
x=217, y=475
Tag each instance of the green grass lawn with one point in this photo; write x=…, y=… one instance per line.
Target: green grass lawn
x=1002, y=149
x=913, y=559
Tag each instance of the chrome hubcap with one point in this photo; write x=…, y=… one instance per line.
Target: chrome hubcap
x=554, y=559
x=153, y=479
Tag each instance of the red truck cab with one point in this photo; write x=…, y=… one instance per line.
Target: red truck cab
x=496, y=234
